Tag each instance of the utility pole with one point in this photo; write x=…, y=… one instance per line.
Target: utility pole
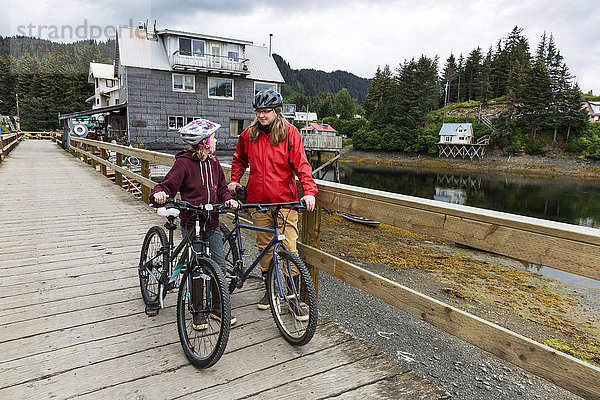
x=18, y=115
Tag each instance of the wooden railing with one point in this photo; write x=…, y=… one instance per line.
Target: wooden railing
x=8, y=141
x=566, y=247
x=322, y=142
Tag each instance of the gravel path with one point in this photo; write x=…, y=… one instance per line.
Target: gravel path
x=465, y=371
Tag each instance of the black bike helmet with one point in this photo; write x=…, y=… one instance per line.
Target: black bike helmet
x=267, y=98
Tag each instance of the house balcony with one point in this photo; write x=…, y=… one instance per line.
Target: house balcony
x=200, y=62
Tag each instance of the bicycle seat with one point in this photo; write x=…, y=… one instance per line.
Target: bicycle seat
x=167, y=212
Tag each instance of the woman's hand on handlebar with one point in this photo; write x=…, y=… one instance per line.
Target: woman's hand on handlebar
x=160, y=198
x=310, y=202
x=232, y=204
x=232, y=186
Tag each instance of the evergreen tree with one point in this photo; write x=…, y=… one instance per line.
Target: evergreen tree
x=344, y=105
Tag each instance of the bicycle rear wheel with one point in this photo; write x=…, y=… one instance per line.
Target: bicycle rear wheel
x=232, y=256
x=203, y=313
x=154, y=261
x=293, y=301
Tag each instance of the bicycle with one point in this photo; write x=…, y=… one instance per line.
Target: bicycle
x=284, y=293
x=202, y=292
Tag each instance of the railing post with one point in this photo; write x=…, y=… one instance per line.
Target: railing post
x=102, y=166
x=311, y=235
x=93, y=151
x=146, y=174
x=118, y=175
x=2, y=156
x=86, y=148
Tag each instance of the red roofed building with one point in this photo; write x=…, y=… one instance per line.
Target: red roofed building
x=313, y=128
x=593, y=109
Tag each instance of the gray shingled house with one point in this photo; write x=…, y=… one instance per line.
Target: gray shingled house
x=167, y=78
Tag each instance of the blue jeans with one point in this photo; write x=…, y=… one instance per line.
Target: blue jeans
x=215, y=243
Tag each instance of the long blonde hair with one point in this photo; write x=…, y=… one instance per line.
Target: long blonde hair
x=203, y=152
x=278, y=130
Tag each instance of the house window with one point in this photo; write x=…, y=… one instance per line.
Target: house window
x=175, y=122
x=448, y=138
x=233, y=52
x=198, y=48
x=189, y=119
x=97, y=82
x=110, y=83
x=184, y=83
x=98, y=100
x=220, y=88
x=185, y=47
x=236, y=126
x=258, y=86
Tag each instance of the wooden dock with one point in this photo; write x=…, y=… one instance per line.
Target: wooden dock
x=72, y=321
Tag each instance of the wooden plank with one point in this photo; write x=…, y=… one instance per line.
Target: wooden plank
x=540, y=359
x=152, y=156
x=407, y=386
x=543, y=242
x=122, y=170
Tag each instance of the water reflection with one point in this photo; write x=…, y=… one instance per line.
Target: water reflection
x=452, y=188
x=556, y=199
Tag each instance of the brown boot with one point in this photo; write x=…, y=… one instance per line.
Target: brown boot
x=263, y=304
x=216, y=312
x=199, y=322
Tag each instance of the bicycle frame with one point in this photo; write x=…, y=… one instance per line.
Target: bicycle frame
x=275, y=243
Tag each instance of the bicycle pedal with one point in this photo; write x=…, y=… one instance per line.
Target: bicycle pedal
x=152, y=309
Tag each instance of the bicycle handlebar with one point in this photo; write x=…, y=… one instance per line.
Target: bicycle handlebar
x=186, y=205
x=296, y=205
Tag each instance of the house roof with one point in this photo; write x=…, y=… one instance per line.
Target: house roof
x=449, y=129
x=202, y=36
x=98, y=70
x=593, y=108
x=135, y=50
x=261, y=65
x=319, y=127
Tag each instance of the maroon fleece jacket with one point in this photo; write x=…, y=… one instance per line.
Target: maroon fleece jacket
x=199, y=182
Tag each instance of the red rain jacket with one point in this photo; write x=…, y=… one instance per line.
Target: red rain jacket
x=273, y=168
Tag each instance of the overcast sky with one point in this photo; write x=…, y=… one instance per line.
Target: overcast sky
x=355, y=36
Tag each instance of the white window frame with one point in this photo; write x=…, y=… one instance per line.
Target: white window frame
x=273, y=86
x=171, y=127
x=203, y=53
x=189, y=119
x=110, y=83
x=183, y=89
x=221, y=79
x=237, y=47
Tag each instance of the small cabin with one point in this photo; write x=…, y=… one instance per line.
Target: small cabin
x=456, y=133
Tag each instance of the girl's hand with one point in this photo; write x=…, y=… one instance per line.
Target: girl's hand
x=160, y=198
x=310, y=202
x=232, y=204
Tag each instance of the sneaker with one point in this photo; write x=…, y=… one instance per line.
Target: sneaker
x=199, y=322
x=263, y=304
x=216, y=314
x=298, y=311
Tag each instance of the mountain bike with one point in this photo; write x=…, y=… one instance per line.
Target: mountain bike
x=203, y=309
x=289, y=284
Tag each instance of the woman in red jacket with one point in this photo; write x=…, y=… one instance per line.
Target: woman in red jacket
x=273, y=149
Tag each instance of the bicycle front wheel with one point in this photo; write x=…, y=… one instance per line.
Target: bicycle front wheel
x=293, y=300
x=203, y=313
x=154, y=261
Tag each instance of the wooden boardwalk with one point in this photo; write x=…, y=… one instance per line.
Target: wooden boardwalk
x=72, y=321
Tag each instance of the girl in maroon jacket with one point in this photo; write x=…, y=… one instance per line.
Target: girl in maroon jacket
x=273, y=149
x=198, y=176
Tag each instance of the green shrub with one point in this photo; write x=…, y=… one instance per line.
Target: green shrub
x=533, y=146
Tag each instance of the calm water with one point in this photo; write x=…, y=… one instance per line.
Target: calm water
x=560, y=200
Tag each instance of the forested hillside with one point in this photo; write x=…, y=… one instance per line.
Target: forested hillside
x=542, y=105
x=49, y=78
x=311, y=82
